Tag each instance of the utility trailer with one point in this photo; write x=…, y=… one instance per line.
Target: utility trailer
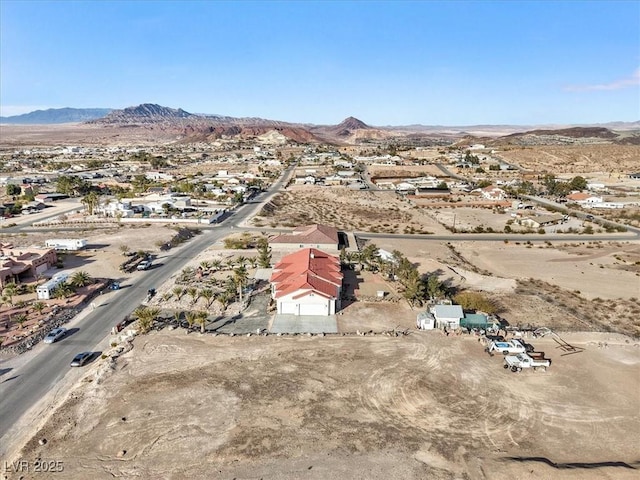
x=534, y=360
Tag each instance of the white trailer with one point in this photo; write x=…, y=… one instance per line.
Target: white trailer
x=67, y=243
x=44, y=291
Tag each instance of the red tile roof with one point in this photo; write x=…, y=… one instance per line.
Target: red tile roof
x=307, y=269
x=309, y=234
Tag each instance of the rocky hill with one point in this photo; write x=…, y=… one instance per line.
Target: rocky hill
x=144, y=114
x=56, y=115
x=568, y=136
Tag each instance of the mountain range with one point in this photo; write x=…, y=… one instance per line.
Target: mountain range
x=56, y=115
x=180, y=124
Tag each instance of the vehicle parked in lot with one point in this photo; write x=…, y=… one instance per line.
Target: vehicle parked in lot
x=55, y=335
x=80, y=359
x=535, y=360
x=510, y=347
x=144, y=265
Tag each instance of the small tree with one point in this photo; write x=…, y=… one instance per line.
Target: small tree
x=201, y=319
x=80, y=279
x=178, y=292
x=193, y=293
x=264, y=253
x=208, y=295
x=39, y=307
x=191, y=318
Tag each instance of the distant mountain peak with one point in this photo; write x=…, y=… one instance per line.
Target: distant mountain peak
x=352, y=123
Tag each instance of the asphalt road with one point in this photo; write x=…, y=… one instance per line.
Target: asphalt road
x=23, y=385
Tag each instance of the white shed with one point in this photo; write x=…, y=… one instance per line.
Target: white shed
x=425, y=321
x=43, y=292
x=447, y=316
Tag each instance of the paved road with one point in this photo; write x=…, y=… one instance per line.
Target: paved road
x=28, y=381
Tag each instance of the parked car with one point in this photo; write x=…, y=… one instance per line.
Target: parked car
x=55, y=335
x=507, y=348
x=80, y=359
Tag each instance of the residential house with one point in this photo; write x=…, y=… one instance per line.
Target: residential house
x=540, y=221
x=307, y=282
x=493, y=193
x=20, y=263
x=312, y=236
x=583, y=198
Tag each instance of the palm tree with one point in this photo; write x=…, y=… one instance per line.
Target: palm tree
x=80, y=279
x=193, y=293
x=205, y=265
x=63, y=290
x=39, y=307
x=21, y=318
x=240, y=276
x=90, y=201
x=216, y=265
x=225, y=298
x=201, y=319
x=178, y=292
x=145, y=316
x=241, y=260
x=166, y=296
x=9, y=291
x=191, y=318
x=208, y=295
x=177, y=315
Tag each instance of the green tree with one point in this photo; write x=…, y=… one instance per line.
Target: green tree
x=80, y=279
x=240, y=276
x=434, y=287
x=90, y=201
x=208, y=295
x=191, y=318
x=264, y=253
x=178, y=292
x=39, y=306
x=201, y=319
x=194, y=293
x=10, y=289
x=145, y=316
x=13, y=190
x=578, y=183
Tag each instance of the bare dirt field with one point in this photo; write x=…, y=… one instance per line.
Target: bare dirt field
x=576, y=159
x=421, y=406
x=347, y=210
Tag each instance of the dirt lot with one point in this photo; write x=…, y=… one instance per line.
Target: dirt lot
x=347, y=210
x=422, y=406
x=585, y=160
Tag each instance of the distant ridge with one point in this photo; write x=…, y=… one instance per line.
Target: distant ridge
x=56, y=115
x=145, y=113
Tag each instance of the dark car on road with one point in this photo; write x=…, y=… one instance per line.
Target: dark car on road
x=80, y=359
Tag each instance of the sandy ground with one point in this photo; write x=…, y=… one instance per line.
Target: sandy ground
x=421, y=406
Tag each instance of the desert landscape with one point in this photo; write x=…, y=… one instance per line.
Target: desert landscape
x=379, y=396
x=420, y=406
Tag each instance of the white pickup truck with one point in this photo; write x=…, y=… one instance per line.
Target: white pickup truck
x=506, y=348
x=533, y=360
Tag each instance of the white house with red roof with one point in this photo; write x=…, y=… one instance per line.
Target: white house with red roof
x=317, y=236
x=307, y=282
x=583, y=198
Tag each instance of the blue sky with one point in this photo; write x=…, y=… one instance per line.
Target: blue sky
x=385, y=62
